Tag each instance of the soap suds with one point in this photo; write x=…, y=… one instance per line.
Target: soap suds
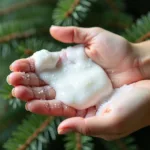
x=78, y=81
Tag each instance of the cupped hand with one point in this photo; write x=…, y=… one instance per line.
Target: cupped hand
x=113, y=53
x=128, y=113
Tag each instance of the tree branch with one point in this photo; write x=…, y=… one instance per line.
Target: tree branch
x=20, y=5
x=13, y=36
x=19, y=35
x=70, y=11
x=35, y=134
x=143, y=38
x=78, y=140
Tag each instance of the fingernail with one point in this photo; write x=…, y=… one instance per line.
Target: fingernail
x=7, y=79
x=11, y=66
x=13, y=92
x=28, y=106
x=64, y=131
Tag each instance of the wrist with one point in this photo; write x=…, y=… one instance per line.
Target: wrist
x=142, y=53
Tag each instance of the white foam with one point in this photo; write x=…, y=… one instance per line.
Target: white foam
x=78, y=81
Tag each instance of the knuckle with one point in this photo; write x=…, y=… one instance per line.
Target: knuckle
x=76, y=34
x=86, y=130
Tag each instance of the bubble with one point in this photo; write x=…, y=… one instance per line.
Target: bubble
x=66, y=107
x=41, y=92
x=47, y=106
x=56, y=105
x=27, y=76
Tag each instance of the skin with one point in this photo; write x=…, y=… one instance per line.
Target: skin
x=124, y=62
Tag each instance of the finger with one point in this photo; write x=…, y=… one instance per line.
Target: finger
x=22, y=78
x=23, y=65
x=51, y=107
x=30, y=93
x=87, y=126
x=74, y=34
x=142, y=84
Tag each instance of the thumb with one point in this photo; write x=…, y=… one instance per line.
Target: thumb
x=73, y=34
x=87, y=126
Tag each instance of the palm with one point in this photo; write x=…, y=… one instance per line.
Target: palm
x=115, y=55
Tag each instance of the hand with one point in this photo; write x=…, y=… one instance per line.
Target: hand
x=118, y=57
x=119, y=60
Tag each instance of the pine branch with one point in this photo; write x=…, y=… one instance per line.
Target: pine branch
x=71, y=12
x=24, y=48
x=20, y=35
x=144, y=37
x=36, y=130
x=33, y=12
x=76, y=141
x=13, y=36
x=20, y=5
x=11, y=116
x=35, y=134
x=10, y=27
x=72, y=8
x=5, y=94
x=25, y=23
x=139, y=31
x=9, y=121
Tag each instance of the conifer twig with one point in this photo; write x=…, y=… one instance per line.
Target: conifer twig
x=16, y=35
x=35, y=134
x=19, y=35
x=78, y=141
x=71, y=10
x=20, y=5
x=143, y=38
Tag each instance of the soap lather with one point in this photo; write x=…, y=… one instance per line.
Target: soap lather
x=78, y=81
